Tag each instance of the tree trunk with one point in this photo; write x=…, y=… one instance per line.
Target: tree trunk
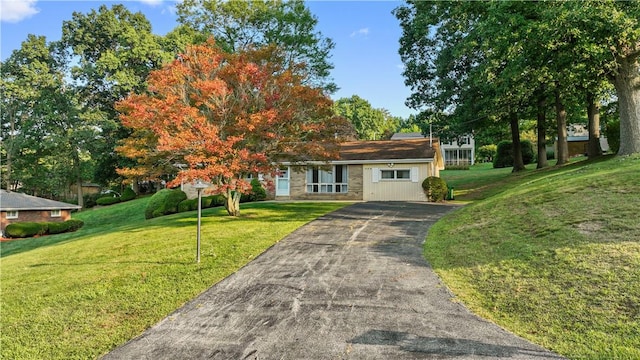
x=542, y=130
x=78, y=174
x=627, y=84
x=593, y=114
x=562, y=148
x=9, y=149
x=232, y=203
x=518, y=163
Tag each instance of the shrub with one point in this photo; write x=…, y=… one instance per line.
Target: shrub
x=258, y=193
x=188, y=205
x=103, y=201
x=74, y=224
x=486, y=153
x=528, y=153
x=58, y=227
x=435, y=188
x=128, y=194
x=207, y=202
x=612, y=132
x=90, y=200
x=504, y=154
x=164, y=202
x=551, y=155
x=30, y=229
x=26, y=229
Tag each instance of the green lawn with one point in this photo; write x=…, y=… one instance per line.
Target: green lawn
x=552, y=255
x=79, y=295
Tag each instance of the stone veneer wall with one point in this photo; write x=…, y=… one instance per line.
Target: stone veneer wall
x=298, y=190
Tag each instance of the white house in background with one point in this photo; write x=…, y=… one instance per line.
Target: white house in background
x=461, y=151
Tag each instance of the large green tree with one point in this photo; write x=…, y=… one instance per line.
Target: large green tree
x=238, y=25
x=505, y=60
x=45, y=138
x=115, y=52
x=369, y=123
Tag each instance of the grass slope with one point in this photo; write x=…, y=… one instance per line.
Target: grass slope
x=553, y=255
x=76, y=296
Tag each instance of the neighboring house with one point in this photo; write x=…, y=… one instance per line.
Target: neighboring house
x=461, y=151
x=578, y=140
x=87, y=189
x=18, y=207
x=389, y=170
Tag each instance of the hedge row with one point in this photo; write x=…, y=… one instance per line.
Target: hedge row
x=171, y=201
x=30, y=229
x=127, y=194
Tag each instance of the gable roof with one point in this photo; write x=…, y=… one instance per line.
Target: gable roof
x=13, y=201
x=407, y=149
x=405, y=136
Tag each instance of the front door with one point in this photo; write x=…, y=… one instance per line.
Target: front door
x=282, y=182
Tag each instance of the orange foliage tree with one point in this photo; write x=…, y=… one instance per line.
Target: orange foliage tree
x=227, y=116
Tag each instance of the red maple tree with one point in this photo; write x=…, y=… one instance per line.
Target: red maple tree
x=228, y=116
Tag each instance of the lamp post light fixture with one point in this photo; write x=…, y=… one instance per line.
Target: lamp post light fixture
x=199, y=186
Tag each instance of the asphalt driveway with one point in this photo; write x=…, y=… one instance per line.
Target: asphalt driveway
x=350, y=285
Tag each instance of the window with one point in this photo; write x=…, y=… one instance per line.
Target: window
x=457, y=156
x=55, y=213
x=12, y=214
x=403, y=174
x=327, y=181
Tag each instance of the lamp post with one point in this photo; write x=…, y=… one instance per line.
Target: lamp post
x=199, y=186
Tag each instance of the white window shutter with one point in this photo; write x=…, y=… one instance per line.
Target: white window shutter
x=375, y=175
x=414, y=174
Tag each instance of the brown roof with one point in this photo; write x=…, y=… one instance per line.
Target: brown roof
x=388, y=150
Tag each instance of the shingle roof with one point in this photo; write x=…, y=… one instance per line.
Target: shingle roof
x=415, y=149
x=405, y=136
x=13, y=201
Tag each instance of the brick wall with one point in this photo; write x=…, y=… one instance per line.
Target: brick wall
x=34, y=216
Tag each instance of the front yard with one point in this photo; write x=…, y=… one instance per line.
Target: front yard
x=78, y=295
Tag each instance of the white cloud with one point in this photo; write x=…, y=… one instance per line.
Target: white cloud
x=14, y=11
x=151, y=2
x=362, y=32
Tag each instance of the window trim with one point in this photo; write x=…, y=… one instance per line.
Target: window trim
x=323, y=185
x=12, y=214
x=58, y=214
x=395, y=175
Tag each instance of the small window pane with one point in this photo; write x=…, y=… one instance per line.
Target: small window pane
x=326, y=177
x=387, y=174
x=12, y=214
x=403, y=174
x=55, y=213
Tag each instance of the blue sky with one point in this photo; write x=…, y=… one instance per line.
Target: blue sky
x=366, y=35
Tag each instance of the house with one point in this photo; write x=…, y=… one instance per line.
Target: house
x=460, y=151
x=578, y=141
x=18, y=207
x=388, y=170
